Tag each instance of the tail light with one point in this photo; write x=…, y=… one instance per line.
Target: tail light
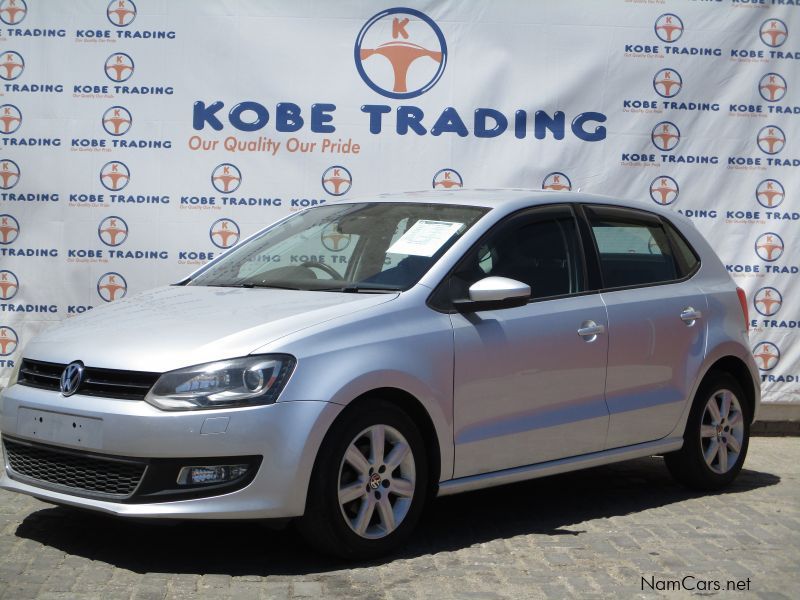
x=745, y=312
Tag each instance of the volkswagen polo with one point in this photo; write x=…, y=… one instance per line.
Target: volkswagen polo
x=349, y=363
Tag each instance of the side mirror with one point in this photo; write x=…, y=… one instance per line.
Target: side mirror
x=492, y=293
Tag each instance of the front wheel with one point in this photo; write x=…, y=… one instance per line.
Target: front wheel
x=716, y=438
x=369, y=484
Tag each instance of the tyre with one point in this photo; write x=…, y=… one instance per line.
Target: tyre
x=369, y=484
x=716, y=437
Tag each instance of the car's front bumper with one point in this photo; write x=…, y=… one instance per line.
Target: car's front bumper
x=286, y=435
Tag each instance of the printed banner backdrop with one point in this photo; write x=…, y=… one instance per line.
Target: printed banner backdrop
x=139, y=139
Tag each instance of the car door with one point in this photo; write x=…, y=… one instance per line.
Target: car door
x=527, y=387
x=656, y=319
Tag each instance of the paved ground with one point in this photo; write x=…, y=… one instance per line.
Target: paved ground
x=589, y=535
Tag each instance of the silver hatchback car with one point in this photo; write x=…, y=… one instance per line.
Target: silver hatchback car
x=350, y=362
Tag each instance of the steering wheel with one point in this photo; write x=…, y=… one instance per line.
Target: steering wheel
x=315, y=264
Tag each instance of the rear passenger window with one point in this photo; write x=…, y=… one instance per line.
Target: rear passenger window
x=684, y=255
x=633, y=247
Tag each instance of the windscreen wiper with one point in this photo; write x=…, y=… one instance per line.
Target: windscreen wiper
x=355, y=289
x=256, y=285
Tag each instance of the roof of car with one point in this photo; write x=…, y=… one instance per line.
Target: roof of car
x=501, y=197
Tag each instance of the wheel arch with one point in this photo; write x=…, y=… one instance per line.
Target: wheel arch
x=737, y=368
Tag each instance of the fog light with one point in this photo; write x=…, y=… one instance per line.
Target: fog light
x=210, y=474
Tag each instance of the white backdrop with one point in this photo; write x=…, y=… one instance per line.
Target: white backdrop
x=139, y=139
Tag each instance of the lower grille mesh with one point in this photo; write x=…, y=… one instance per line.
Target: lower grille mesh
x=80, y=472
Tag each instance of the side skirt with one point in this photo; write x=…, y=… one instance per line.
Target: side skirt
x=554, y=467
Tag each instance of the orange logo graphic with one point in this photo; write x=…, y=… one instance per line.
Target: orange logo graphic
x=447, y=179
x=224, y=233
x=772, y=87
x=119, y=67
x=767, y=301
x=669, y=28
x=333, y=239
x=12, y=12
x=769, y=246
x=9, y=174
x=667, y=83
x=11, y=65
x=557, y=181
x=8, y=341
x=117, y=120
x=113, y=231
x=226, y=178
x=771, y=139
x=412, y=44
x=121, y=13
x=112, y=286
x=9, y=229
x=770, y=193
x=664, y=190
x=10, y=118
x=337, y=180
x=767, y=355
x=9, y=285
x=773, y=32
x=115, y=175
x=665, y=136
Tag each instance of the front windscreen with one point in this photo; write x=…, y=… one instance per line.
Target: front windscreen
x=346, y=247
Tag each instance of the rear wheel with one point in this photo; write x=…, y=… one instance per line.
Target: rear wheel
x=716, y=437
x=369, y=484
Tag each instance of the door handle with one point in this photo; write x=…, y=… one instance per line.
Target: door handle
x=589, y=330
x=690, y=316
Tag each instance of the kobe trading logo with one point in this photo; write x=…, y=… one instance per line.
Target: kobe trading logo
x=337, y=180
x=333, y=239
x=667, y=83
x=9, y=174
x=117, y=120
x=10, y=118
x=769, y=246
x=9, y=229
x=771, y=139
x=772, y=87
x=447, y=179
x=121, y=13
x=112, y=231
x=400, y=53
x=557, y=181
x=773, y=32
x=8, y=340
x=224, y=233
x=12, y=12
x=669, y=28
x=770, y=193
x=112, y=286
x=665, y=136
x=11, y=65
x=664, y=190
x=115, y=175
x=767, y=356
x=226, y=178
x=119, y=67
x=9, y=285
x=767, y=301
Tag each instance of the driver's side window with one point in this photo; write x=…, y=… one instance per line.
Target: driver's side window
x=541, y=250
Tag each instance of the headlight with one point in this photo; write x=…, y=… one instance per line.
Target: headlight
x=226, y=383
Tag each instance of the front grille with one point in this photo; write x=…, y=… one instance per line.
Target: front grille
x=80, y=473
x=109, y=383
